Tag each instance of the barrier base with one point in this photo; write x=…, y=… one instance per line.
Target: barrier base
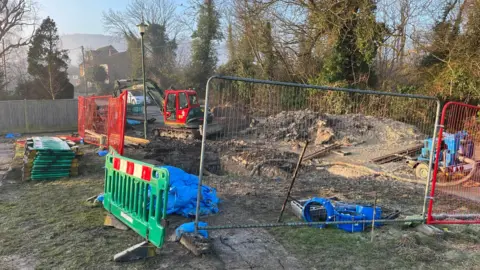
x=112, y=221
x=139, y=251
x=196, y=243
x=429, y=230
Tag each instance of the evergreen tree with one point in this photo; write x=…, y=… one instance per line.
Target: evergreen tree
x=450, y=67
x=204, y=58
x=97, y=75
x=357, y=36
x=267, y=50
x=135, y=55
x=162, y=52
x=47, y=63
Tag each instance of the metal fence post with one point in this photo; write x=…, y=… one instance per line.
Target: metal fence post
x=431, y=159
x=202, y=154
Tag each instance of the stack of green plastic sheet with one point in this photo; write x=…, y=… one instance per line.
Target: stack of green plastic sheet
x=48, y=158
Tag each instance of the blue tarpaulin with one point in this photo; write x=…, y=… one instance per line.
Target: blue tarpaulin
x=12, y=135
x=102, y=153
x=133, y=122
x=190, y=228
x=182, y=195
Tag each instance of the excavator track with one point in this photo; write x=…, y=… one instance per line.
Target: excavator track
x=187, y=133
x=178, y=133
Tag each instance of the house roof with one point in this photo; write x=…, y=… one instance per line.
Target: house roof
x=118, y=62
x=103, y=52
x=107, y=49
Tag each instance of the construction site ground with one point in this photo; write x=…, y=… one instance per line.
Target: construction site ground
x=48, y=225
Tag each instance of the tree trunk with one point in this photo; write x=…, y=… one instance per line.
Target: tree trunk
x=50, y=86
x=404, y=13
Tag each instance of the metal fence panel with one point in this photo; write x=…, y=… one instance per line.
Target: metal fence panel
x=455, y=194
x=263, y=118
x=28, y=116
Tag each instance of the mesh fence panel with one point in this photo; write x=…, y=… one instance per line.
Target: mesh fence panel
x=264, y=125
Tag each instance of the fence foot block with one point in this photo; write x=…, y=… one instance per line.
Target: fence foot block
x=139, y=251
x=196, y=243
x=112, y=221
x=429, y=230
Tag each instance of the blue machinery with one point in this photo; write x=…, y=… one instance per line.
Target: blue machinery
x=457, y=149
x=322, y=209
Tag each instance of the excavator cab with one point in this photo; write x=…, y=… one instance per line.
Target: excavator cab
x=181, y=109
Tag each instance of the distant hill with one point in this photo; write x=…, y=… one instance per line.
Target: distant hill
x=89, y=41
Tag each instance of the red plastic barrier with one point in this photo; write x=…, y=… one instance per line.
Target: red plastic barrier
x=105, y=116
x=81, y=116
x=117, y=113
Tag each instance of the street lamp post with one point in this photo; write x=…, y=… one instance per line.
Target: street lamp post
x=141, y=28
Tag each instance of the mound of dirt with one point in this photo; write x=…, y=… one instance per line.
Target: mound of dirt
x=358, y=127
x=288, y=126
x=323, y=128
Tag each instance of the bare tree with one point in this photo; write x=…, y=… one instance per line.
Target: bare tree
x=16, y=16
x=162, y=12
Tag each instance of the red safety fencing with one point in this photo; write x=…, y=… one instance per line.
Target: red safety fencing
x=117, y=109
x=81, y=116
x=96, y=117
x=455, y=192
x=93, y=120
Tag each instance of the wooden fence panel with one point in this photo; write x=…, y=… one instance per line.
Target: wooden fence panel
x=30, y=116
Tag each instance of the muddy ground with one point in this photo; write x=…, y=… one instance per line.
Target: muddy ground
x=47, y=225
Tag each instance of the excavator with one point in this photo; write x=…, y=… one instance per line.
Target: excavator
x=182, y=114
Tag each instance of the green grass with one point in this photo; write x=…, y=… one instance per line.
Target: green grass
x=49, y=223
x=393, y=248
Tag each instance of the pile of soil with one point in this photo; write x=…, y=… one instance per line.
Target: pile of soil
x=287, y=126
x=323, y=128
x=358, y=127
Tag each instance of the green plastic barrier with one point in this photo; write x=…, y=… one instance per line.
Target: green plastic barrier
x=136, y=193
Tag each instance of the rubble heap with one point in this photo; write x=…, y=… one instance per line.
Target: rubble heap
x=358, y=127
x=288, y=126
x=324, y=128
